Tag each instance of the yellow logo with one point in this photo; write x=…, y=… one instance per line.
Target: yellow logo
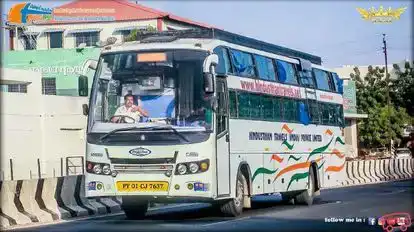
x=381, y=15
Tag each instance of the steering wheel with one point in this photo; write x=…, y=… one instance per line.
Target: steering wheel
x=121, y=119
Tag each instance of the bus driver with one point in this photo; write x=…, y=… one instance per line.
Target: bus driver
x=130, y=110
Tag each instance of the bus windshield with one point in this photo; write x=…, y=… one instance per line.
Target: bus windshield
x=151, y=87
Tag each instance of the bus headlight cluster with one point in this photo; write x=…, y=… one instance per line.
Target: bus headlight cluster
x=98, y=168
x=192, y=167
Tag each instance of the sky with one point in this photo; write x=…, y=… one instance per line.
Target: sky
x=333, y=30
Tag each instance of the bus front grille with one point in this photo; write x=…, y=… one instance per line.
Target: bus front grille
x=154, y=169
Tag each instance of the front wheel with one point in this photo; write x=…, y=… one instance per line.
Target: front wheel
x=134, y=209
x=234, y=207
x=307, y=196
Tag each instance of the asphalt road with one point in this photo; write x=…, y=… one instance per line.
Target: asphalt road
x=267, y=214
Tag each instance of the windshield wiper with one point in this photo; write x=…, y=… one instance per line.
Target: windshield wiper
x=144, y=128
x=170, y=128
x=123, y=129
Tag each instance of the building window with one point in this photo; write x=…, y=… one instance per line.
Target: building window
x=56, y=39
x=49, y=86
x=89, y=38
x=14, y=88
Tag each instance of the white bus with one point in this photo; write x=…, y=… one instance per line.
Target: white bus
x=222, y=118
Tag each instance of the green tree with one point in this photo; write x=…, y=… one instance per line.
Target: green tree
x=402, y=88
x=384, y=122
x=135, y=33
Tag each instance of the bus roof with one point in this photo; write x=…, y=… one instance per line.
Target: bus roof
x=169, y=36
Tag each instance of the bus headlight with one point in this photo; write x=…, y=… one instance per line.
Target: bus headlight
x=193, y=167
x=106, y=170
x=182, y=169
x=97, y=169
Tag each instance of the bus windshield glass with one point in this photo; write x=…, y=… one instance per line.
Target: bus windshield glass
x=150, y=88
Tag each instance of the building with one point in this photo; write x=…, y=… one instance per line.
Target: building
x=351, y=117
x=67, y=28
x=346, y=70
x=60, y=68
x=41, y=135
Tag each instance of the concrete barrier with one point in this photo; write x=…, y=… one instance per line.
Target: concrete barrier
x=367, y=171
x=397, y=169
x=355, y=169
x=379, y=170
x=44, y=200
x=27, y=198
x=387, y=171
x=92, y=204
x=47, y=200
x=393, y=168
x=348, y=178
x=362, y=173
x=110, y=205
x=66, y=190
x=372, y=170
x=9, y=210
x=406, y=170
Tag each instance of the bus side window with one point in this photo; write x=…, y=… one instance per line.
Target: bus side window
x=233, y=104
x=314, y=112
x=243, y=100
x=224, y=65
x=323, y=80
x=265, y=68
x=242, y=63
x=286, y=72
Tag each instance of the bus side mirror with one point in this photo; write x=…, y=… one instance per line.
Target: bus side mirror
x=89, y=64
x=208, y=83
x=85, y=109
x=83, y=86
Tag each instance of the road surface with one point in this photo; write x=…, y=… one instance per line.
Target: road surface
x=267, y=214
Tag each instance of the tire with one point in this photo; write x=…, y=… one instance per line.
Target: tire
x=234, y=207
x=134, y=210
x=307, y=196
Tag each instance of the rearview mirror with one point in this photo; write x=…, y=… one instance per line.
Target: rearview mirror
x=209, y=61
x=85, y=109
x=89, y=64
x=83, y=86
x=208, y=83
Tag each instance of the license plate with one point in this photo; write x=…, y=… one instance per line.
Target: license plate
x=142, y=186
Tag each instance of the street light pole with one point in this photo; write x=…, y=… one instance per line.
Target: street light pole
x=387, y=81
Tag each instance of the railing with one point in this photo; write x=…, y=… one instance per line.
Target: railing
x=17, y=169
x=74, y=165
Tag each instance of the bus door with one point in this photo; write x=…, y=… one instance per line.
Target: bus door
x=223, y=139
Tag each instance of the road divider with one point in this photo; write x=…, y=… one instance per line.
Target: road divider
x=25, y=202
x=376, y=171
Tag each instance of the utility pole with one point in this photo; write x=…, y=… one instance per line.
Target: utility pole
x=387, y=81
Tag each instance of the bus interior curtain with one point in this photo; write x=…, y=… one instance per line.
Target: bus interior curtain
x=186, y=89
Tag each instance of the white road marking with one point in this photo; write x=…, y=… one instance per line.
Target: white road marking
x=223, y=222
